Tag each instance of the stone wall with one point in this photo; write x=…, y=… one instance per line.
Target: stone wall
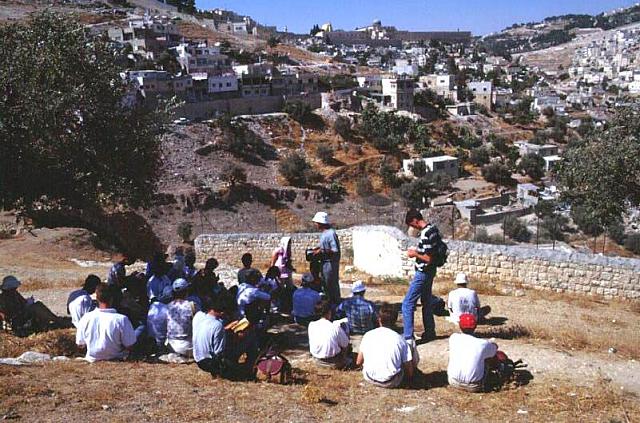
x=228, y=248
x=381, y=251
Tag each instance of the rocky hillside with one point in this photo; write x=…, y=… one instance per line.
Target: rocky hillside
x=556, y=30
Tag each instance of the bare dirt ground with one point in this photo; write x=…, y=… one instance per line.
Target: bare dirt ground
x=565, y=340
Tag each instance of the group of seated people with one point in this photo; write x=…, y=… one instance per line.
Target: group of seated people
x=387, y=360
x=173, y=307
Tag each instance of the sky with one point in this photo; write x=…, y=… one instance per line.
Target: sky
x=481, y=17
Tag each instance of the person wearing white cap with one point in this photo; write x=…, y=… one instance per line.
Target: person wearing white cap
x=19, y=311
x=305, y=299
x=180, y=313
x=329, y=251
x=360, y=313
x=465, y=300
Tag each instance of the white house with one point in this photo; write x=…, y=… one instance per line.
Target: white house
x=447, y=165
x=222, y=82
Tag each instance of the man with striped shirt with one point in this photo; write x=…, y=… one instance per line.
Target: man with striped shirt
x=420, y=287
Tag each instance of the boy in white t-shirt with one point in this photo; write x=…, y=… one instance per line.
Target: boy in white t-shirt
x=385, y=356
x=465, y=300
x=470, y=358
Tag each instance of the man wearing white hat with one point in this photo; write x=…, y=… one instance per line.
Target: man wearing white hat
x=465, y=300
x=329, y=251
x=360, y=313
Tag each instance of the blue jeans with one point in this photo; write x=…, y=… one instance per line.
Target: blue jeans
x=330, y=276
x=419, y=289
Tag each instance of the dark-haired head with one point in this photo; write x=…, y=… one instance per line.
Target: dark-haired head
x=387, y=315
x=323, y=309
x=247, y=259
x=412, y=217
x=90, y=283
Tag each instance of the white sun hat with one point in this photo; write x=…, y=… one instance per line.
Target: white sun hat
x=461, y=279
x=357, y=287
x=321, y=217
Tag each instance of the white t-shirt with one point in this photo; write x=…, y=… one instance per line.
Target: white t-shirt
x=106, y=333
x=384, y=352
x=466, y=357
x=462, y=300
x=80, y=306
x=157, y=317
x=326, y=339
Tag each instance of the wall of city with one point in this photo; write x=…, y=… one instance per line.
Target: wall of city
x=242, y=106
x=381, y=251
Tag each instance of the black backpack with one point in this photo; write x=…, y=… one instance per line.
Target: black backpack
x=441, y=254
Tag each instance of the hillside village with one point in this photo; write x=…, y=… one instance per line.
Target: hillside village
x=486, y=131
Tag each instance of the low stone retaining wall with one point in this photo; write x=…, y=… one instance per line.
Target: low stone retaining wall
x=381, y=251
x=228, y=248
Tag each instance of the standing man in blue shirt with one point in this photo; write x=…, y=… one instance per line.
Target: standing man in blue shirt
x=329, y=251
x=421, y=285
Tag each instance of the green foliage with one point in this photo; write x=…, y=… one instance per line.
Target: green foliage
x=601, y=172
x=416, y=193
x=184, y=231
x=185, y=6
x=388, y=174
x=168, y=62
x=498, y=173
x=385, y=130
x=483, y=237
x=442, y=181
x=325, y=153
x=585, y=220
x=616, y=232
x=545, y=208
x=273, y=41
x=632, y=243
x=66, y=136
x=298, y=110
x=314, y=30
x=516, y=229
x=337, y=190
x=554, y=226
x=233, y=174
x=295, y=169
x=532, y=165
x=419, y=168
x=342, y=126
x=479, y=156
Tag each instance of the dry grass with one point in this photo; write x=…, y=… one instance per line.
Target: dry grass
x=32, y=284
x=55, y=342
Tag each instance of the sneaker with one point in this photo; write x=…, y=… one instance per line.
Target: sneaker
x=427, y=337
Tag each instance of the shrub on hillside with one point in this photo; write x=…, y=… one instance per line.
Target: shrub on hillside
x=298, y=110
x=416, y=193
x=419, y=168
x=498, y=173
x=632, y=243
x=479, y=156
x=184, y=231
x=342, y=126
x=296, y=170
x=388, y=175
x=233, y=174
x=532, y=165
x=516, y=229
x=325, y=153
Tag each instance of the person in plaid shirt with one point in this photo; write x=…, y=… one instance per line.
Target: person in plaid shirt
x=360, y=313
x=420, y=287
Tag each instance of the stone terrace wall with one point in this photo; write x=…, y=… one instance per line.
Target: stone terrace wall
x=228, y=248
x=381, y=251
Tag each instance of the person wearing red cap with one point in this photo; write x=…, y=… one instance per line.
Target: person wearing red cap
x=469, y=357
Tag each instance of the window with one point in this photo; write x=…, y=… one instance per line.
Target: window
x=228, y=84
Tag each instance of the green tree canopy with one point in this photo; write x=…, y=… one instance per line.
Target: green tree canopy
x=67, y=137
x=601, y=174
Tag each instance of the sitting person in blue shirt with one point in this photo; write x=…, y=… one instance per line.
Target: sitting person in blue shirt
x=360, y=313
x=305, y=299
